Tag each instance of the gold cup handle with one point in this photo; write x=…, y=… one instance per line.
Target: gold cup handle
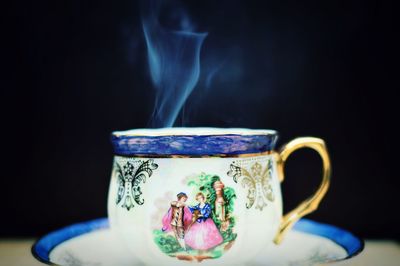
x=310, y=204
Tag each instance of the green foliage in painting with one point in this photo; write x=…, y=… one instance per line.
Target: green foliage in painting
x=167, y=243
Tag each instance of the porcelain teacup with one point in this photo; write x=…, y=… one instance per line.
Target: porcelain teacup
x=210, y=195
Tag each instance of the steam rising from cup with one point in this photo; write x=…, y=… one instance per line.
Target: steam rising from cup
x=173, y=59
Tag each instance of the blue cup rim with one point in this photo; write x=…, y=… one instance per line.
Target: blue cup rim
x=193, y=141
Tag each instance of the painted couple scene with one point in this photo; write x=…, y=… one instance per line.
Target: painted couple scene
x=203, y=229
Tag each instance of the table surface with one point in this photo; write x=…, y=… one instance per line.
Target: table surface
x=382, y=253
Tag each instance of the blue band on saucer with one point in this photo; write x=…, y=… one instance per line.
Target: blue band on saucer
x=43, y=247
x=201, y=145
x=352, y=244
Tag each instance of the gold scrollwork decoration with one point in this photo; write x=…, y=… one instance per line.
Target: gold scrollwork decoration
x=257, y=180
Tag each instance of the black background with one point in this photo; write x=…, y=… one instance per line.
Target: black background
x=76, y=71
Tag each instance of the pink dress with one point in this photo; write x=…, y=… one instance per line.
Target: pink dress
x=203, y=234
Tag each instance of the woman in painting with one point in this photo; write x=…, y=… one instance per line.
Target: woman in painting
x=203, y=234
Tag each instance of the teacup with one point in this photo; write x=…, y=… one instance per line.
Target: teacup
x=210, y=195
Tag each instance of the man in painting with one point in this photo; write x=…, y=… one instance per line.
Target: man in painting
x=178, y=218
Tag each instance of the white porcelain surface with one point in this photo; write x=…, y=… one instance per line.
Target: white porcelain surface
x=257, y=208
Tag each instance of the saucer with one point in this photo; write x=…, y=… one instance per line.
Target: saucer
x=93, y=244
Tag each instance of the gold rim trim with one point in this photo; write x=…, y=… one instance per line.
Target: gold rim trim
x=198, y=156
x=163, y=132
x=312, y=203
